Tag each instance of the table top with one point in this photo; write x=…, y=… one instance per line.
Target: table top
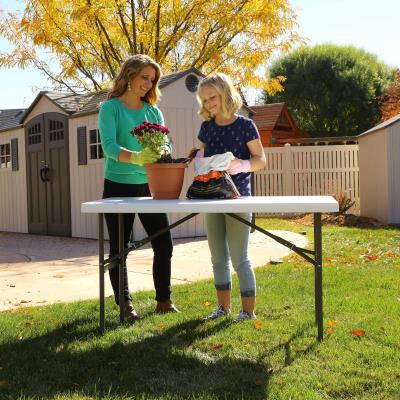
x=268, y=204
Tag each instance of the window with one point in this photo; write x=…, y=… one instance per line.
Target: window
x=56, y=131
x=5, y=155
x=34, y=134
x=191, y=83
x=95, y=148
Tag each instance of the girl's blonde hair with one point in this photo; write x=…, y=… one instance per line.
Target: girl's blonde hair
x=131, y=68
x=231, y=100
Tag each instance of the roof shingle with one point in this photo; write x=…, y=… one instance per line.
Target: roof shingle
x=267, y=115
x=9, y=119
x=80, y=104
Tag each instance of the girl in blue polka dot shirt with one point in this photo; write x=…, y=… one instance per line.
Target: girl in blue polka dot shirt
x=224, y=130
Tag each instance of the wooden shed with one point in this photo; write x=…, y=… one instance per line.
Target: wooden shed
x=276, y=125
x=51, y=159
x=379, y=162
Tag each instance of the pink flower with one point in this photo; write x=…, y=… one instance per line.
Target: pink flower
x=151, y=127
x=153, y=136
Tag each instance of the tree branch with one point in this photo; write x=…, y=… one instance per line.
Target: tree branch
x=76, y=59
x=134, y=26
x=123, y=25
x=174, y=36
x=117, y=57
x=157, y=37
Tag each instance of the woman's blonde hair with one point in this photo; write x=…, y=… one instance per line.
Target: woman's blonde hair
x=129, y=69
x=231, y=100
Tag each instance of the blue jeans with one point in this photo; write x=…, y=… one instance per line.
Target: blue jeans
x=228, y=237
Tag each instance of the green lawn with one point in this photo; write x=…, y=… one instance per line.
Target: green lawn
x=55, y=352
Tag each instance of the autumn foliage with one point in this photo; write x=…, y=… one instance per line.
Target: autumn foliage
x=89, y=40
x=390, y=101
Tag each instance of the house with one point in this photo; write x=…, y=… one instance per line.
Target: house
x=51, y=158
x=380, y=171
x=276, y=125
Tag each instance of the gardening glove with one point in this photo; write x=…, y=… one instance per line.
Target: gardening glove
x=146, y=156
x=195, y=152
x=200, y=153
x=237, y=166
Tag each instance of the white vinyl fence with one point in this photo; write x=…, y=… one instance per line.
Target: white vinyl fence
x=309, y=170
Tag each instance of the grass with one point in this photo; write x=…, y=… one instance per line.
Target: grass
x=55, y=352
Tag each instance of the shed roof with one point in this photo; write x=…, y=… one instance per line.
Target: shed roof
x=83, y=103
x=174, y=76
x=68, y=102
x=272, y=117
x=266, y=115
x=9, y=119
x=87, y=103
x=382, y=125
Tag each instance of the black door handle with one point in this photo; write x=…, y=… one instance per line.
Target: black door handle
x=46, y=170
x=43, y=173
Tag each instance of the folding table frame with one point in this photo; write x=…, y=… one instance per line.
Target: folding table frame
x=276, y=204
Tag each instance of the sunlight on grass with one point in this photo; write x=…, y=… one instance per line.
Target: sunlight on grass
x=55, y=351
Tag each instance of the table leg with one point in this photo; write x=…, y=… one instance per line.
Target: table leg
x=101, y=272
x=318, y=275
x=121, y=266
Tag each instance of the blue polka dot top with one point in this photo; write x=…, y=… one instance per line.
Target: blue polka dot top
x=234, y=137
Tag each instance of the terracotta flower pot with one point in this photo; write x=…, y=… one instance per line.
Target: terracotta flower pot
x=165, y=180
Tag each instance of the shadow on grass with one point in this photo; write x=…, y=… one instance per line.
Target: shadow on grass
x=163, y=364
x=75, y=359
x=286, y=346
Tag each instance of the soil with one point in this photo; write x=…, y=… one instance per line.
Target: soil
x=350, y=220
x=167, y=159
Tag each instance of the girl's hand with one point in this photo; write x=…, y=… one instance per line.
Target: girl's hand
x=238, y=166
x=200, y=153
x=195, y=152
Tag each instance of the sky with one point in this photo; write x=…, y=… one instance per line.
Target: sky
x=367, y=24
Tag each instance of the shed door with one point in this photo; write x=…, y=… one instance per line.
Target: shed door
x=49, y=210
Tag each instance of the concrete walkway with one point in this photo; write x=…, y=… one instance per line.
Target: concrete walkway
x=37, y=270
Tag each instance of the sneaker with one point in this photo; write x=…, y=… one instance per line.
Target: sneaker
x=244, y=315
x=218, y=312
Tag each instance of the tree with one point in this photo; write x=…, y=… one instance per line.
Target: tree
x=90, y=38
x=390, y=101
x=331, y=90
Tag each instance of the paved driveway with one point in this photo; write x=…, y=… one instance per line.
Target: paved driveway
x=37, y=270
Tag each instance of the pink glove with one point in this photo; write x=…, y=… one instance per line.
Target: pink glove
x=200, y=153
x=237, y=166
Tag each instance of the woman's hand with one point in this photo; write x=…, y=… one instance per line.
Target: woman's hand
x=146, y=156
x=238, y=166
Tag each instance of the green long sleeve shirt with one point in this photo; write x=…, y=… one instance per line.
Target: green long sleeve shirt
x=116, y=121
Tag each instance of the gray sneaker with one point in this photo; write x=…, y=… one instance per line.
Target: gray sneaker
x=218, y=312
x=244, y=315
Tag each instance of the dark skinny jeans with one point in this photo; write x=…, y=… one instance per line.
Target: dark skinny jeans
x=152, y=223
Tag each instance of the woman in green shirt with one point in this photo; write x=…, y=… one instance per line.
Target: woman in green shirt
x=131, y=101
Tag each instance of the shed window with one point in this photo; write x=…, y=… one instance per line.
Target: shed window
x=34, y=134
x=96, y=151
x=5, y=155
x=56, y=131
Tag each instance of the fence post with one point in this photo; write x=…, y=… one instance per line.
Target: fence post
x=287, y=171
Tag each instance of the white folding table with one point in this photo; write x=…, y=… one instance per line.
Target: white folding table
x=254, y=204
